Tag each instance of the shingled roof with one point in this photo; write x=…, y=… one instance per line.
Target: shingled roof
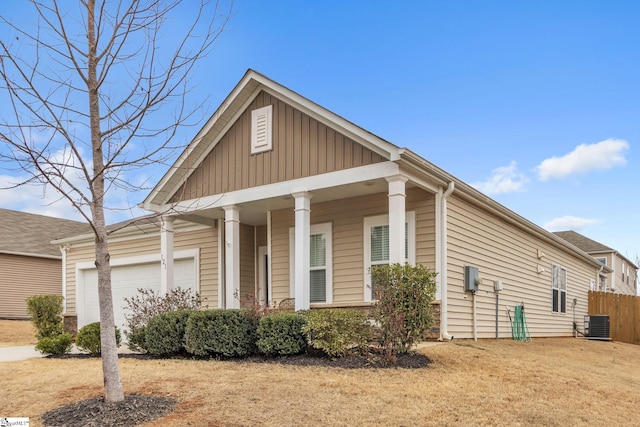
x=583, y=242
x=30, y=234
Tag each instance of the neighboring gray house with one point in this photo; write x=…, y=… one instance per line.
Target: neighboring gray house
x=29, y=263
x=623, y=279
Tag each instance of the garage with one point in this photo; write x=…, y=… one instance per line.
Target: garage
x=127, y=276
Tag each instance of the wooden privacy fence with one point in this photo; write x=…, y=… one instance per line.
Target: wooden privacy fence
x=624, y=314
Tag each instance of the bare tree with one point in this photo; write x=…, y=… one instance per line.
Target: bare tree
x=106, y=77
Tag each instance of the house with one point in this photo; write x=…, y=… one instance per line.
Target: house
x=624, y=275
x=29, y=263
x=278, y=199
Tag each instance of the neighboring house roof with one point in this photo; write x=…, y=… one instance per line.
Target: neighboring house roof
x=583, y=242
x=30, y=234
x=588, y=245
x=135, y=226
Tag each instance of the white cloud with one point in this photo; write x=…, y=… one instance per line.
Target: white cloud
x=45, y=200
x=505, y=179
x=584, y=158
x=569, y=222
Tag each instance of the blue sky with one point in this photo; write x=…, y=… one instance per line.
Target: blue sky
x=537, y=104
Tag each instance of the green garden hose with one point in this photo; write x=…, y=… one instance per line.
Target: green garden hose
x=519, y=328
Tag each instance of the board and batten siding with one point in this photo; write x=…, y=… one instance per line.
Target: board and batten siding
x=25, y=276
x=204, y=239
x=302, y=147
x=502, y=251
x=347, y=219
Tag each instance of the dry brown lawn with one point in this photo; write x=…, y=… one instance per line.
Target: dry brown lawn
x=545, y=382
x=16, y=332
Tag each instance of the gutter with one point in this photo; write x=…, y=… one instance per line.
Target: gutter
x=444, y=335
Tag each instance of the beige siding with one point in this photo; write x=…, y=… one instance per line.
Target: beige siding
x=624, y=284
x=504, y=252
x=348, y=240
x=204, y=239
x=302, y=147
x=24, y=276
x=247, y=265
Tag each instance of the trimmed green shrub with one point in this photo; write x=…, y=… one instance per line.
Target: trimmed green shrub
x=46, y=315
x=403, y=311
x=337, y=332
x=229, y=333
x=55, y=345
x=147, y=304
x=281, y=334
x=88, y=338
x=165, y=333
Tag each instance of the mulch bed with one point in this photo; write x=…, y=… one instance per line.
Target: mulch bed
x=134, y=410
x=139, y=409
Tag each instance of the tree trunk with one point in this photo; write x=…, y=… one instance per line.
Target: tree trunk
x=110, y=369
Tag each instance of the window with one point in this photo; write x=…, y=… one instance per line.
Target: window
x=559, y=290
x=320, y=257
x=376, y=245
x=602, y=261
x=261, y=129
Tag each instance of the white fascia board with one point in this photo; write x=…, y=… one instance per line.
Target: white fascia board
x=285, y=188
x=141, y=259
x=130, y=233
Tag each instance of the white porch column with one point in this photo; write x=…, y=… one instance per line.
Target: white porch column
x=302, y=250
x=397, y=218
x=166, y=254
x=232, y=256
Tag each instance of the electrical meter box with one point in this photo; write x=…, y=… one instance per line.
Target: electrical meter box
x=471, y=278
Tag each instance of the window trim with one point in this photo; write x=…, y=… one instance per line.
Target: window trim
x=556, y=288
x=378, y=220
x=323, y=228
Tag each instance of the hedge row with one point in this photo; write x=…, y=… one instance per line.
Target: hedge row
x=239, y=333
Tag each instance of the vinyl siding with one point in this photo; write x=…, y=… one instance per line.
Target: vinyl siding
x=247, y=265
x=626, y=286
x=348, y=240
x=204, y=239
x=505, y=252
x=24, y=276
x=302, y=147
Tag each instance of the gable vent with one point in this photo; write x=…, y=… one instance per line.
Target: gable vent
x=261, y=129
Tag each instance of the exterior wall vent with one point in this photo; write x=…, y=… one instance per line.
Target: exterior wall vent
x=261, y=128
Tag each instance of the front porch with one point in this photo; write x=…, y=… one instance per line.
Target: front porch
x=338, y=231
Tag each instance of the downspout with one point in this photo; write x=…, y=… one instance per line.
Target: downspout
x=63, y=251
x=614, y=273
x=444, y=335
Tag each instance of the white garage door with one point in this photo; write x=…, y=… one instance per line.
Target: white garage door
x=125, y=282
